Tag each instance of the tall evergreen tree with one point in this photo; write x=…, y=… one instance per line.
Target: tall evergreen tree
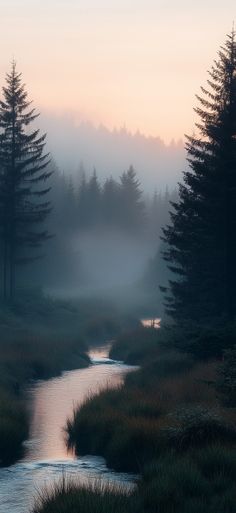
x=201, y=239
x=132, y=204
x=111, y=206
x=23, y=166
x=93, y=200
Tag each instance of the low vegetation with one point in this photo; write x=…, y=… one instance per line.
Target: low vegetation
x=201, y=481
x=40, y=337
x=67, y=496
x=167, y=422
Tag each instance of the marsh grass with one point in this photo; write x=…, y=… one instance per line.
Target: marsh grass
x=200, y=481
x=167, y=423
x=39, y=337
x=160, y=407
x=69, y=496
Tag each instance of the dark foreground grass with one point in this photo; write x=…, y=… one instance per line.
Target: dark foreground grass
x=166, y=405
x=68, y=497
x=167, y=423
x=202, y=481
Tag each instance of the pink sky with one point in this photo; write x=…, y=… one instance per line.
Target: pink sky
x=119, y=61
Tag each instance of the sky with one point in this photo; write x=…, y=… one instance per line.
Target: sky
x=116, y=62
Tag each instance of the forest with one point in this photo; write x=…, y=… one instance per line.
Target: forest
x=117, y=321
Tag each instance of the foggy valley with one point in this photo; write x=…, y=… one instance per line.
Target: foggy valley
x=117, y=257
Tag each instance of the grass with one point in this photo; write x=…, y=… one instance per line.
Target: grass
x=40, y=337
x=166, y=422
x=25, y=356
x=202, y=481
x=199, y=482
x=70, y=497
x=21, y=360
x=150, y=414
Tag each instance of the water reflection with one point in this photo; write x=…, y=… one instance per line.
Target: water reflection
x=54, y=400
x=151, y=323
x=46, y=456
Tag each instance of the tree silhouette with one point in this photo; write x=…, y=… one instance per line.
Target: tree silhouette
x=111, y=206
x=132, y=206
x=22, y=176
x=201, y=239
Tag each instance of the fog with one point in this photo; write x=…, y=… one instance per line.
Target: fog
x=109, y=259
x=110, y=194
x=106, y=236
x=111, y=152
x=105, y=231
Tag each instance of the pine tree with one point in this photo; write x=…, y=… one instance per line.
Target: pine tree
x=132, y=205
x=23, y=175
x=93, y=200
x=110, y=202
x=201, y=239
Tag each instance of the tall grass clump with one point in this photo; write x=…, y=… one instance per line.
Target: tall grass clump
x=67, y=496
x=149, y=414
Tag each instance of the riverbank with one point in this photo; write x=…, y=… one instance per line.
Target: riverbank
x=169, y=423
x=25, y=358
x=39, y=338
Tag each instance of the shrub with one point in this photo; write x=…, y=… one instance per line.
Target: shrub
x=198, y=427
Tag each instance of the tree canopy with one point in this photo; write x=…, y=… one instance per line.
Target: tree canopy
x=23, y=176
x=201, y=238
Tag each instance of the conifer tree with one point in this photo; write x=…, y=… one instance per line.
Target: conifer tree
x=110, y=202
x=23, y=173
x=201, y=239
x=93, y=200
x=132, y=204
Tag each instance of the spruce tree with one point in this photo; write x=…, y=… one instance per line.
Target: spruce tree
x=201, y=238
x=110, y=203
x=132, y=213
x=23, y=173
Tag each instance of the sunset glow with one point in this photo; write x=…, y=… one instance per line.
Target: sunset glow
x=138, y=63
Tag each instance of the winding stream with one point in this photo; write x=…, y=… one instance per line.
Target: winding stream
x=46, y=456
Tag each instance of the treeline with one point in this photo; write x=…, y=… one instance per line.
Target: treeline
x=43, y=212
x=87, y=207
x=85, y=203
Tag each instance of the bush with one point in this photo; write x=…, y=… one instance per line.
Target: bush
x=198, y=427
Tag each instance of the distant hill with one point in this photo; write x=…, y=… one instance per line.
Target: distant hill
x=111, y=152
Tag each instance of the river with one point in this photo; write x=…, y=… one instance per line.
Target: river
x=46, y=456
